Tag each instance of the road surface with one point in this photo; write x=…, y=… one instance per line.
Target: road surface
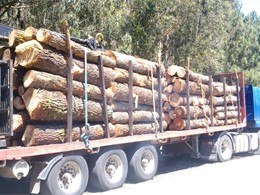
x=182, y=176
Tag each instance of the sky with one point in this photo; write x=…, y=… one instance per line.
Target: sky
x=250, y=5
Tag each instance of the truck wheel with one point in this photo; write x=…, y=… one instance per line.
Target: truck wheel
x=68, y=176
x=143, y=163
x=109, y=170
x=225, y=148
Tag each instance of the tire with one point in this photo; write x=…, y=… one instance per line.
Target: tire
x=109, y=170
x=225, y=148
x=69, y=176
x=143, y=163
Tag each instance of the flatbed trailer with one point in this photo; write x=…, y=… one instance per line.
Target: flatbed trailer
x=66, y=168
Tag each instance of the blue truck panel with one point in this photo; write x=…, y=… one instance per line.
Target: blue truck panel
x=253, y=105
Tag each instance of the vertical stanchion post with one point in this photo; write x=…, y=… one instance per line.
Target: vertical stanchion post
x=211, y=101
x=225, y=98
x=130, y=110
x=69, y=81
x=160, y=97
x=103, y=94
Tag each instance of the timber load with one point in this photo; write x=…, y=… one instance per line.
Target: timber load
x=196, y=101
x=121, y=93
x=40, y=90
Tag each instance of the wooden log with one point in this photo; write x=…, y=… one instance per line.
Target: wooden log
x=167, y=118
x=219, y=90
x=45, y=105
x=140, y=65
x=219, y=101
x=176, y=100
x=16, y=37
x=30, y=33
x=57, y=41
x=181, y=72
x=21, y=90
x=222, y=108
x=138, y=116
x=199, y=78
x=174, y=70
x=231, y=121
x=122, y=76
x=17, y=78
x=51, y=82
x=118, y=106
x=20, y=120
x=180, y=124
x=32, y=55
x=18, y=103
x=195, y=111
x=8, y=54
x=172, y=114
x=169, y=89
x=180, y=87
x=121, y=93
x=230, y=114
x=53, y=134
x=167, y=107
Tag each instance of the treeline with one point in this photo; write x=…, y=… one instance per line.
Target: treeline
x=213, y=34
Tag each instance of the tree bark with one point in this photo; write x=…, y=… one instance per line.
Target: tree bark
x=50, y=134
x=118, y=106
x=122, y=76
x=121, y=93
x=32, y=55
x=57, y=41
x=140, y=65
x=138, y=116
x=51, y=82
x=44, y=105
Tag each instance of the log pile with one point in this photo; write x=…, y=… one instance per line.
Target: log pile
x=178, y=108
x=40, y=88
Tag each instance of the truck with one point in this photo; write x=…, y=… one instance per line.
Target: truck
x=67, y=168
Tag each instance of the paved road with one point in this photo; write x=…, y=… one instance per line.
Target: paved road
x=183, y=176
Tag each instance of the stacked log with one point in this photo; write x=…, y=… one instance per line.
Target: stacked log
x=41, y=89
x=195, y=111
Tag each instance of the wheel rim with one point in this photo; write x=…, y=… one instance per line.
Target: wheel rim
x=226, y=149
x=147, y=162
x=114, y=169
x=69, y=178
